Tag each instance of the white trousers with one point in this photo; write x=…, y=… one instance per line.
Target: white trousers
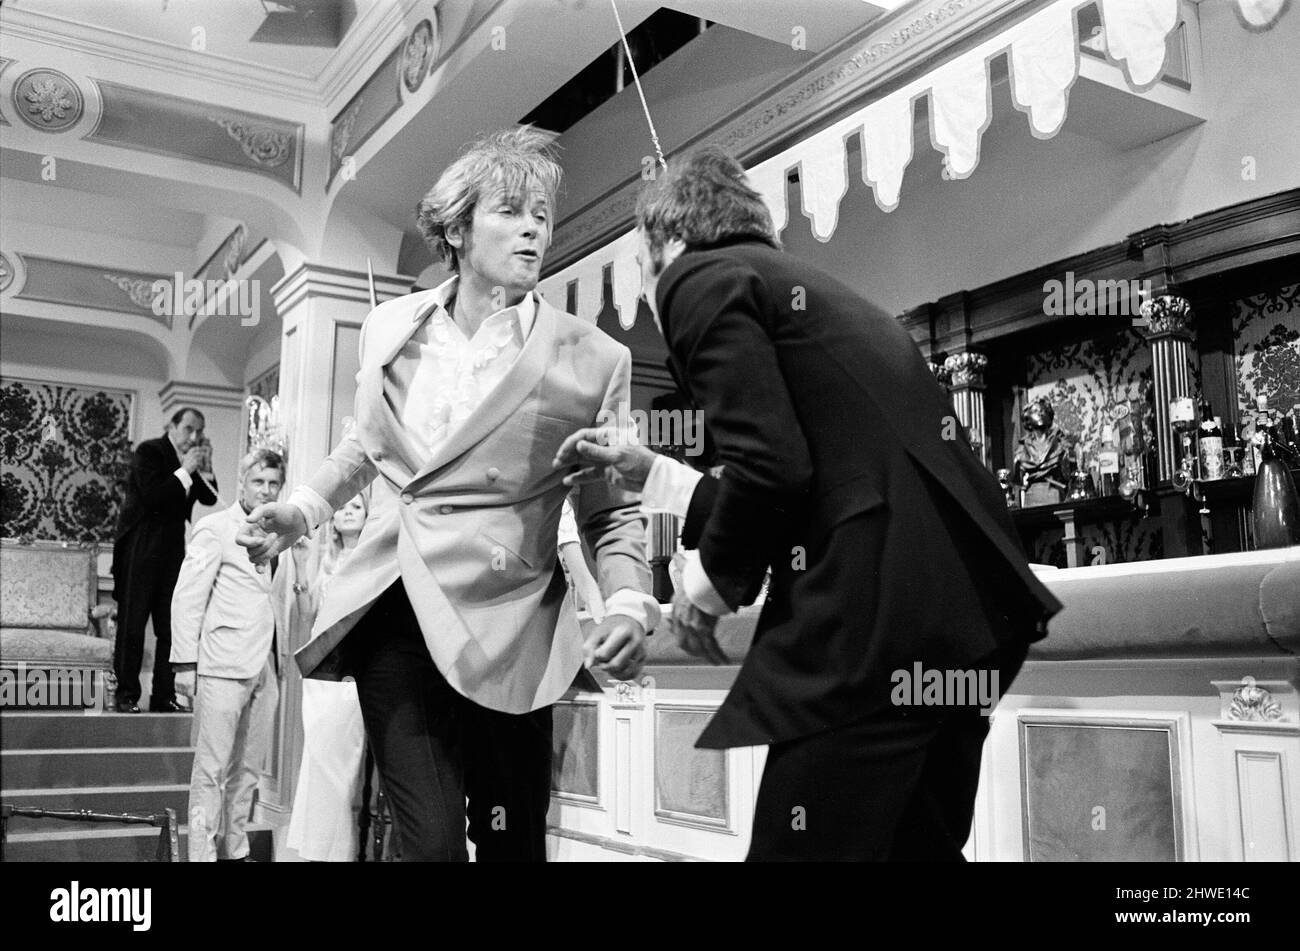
x=233, y=720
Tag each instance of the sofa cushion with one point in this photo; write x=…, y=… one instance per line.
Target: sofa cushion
x=38, y=647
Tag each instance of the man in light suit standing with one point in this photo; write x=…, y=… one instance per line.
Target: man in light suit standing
x=225, y=617
x=458, y=629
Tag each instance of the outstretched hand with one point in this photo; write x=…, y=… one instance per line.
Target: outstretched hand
x=270, y=529
x=604, y=455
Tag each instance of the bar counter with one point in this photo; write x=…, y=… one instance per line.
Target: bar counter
x=1159, y=720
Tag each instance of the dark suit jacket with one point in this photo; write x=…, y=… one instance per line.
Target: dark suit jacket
x=151, y=523
x=889, y=545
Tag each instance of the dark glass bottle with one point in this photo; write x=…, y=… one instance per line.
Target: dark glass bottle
x=1209, y=443
x=1276, y=515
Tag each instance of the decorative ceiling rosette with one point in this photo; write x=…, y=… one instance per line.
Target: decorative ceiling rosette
x=417, y=55
x=48, y=100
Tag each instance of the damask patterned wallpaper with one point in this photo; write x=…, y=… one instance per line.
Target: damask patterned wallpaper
x=1266, y=330
x=1083, y=381
x=63, y=452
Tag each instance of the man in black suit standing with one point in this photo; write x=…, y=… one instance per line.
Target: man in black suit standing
x=889, y=544
x=161, y=489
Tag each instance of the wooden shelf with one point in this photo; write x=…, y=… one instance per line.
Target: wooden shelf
x=1087, y=511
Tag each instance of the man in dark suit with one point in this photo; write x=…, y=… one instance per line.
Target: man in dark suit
x=891, y=552
x=161, y=489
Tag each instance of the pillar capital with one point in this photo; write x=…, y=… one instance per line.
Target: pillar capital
x=177, y=393
x=309, y=281
x=966, y=369
x=1167, y=316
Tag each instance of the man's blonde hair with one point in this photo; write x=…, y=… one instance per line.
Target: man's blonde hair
x=517, y=162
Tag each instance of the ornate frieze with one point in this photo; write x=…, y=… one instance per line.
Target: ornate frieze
x=150, y=121
x=48, y=100
x=140, y=290
x=74, y=284
x=341, y=134
x=265, y=146
x=417, y=54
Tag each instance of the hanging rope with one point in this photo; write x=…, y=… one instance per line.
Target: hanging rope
x=654, y=136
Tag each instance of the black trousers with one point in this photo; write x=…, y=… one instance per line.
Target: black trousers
x=147, y=584
x=898, y=786
x=435, y=748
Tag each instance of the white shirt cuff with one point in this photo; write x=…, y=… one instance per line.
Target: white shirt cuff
x=314, y=508
x=568, y=533
x=187, y=480
x=669, y=487
x=639, y=606
x=699, y=589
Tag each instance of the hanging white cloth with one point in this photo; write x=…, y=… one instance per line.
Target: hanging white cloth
x=323, y=827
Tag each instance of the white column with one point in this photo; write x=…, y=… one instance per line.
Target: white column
x=966, y=383
x=321, y=311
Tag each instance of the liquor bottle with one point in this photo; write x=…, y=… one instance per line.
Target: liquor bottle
x=1209, y=443
x=1108, y=462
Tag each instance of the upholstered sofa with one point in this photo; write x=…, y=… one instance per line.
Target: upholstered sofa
x=49, y=618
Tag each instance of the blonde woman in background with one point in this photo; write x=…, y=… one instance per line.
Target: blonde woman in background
x=323, y=825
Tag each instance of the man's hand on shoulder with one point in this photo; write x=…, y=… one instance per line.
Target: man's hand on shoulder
x=270, y=529
x=617, y=646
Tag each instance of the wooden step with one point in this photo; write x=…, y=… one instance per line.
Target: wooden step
x=107, y=766
x=41, y=731
x=79, y=842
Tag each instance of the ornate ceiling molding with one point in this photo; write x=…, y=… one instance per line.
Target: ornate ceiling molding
x=153, y=122
x=265, y=146
x=76, y=284
x=373, y=31
x=420, y=51
x=48, y=100
x=4, y=63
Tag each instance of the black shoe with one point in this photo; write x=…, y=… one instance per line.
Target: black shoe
x=168, y=706
x=126, y=706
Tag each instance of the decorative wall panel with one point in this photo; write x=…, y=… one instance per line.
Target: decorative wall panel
x=89, y=285
x=690, y=784
x=575, y=767
x=365, y=112
x=3, y=64
x=168, y=125
x=1266, y=332
x=1100, y=790
x=64, y=450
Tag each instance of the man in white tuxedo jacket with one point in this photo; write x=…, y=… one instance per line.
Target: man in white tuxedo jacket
x=458, y=629
x=225, y=654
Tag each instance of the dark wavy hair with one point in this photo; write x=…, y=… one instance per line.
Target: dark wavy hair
x=517, y=162
x=702, y=199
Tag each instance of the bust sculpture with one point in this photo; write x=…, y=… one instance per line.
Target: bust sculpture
x=1040, y=456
